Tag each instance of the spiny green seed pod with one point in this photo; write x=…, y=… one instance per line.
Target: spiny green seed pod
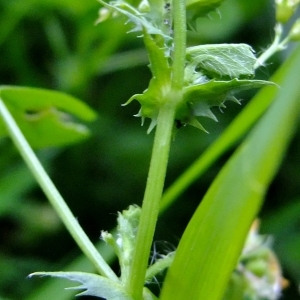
x=285, y=9
x=200, y=8
x=294, y=34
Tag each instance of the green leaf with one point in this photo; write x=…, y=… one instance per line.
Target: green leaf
x=159, y=65
x=231, y=135
x=46, y=118
x=50, y=289
x=212, y=90
x=94, y=285
x=153, y=97
x=199, y=98
x=221, y=63
x=221, y=60
x=210, y=247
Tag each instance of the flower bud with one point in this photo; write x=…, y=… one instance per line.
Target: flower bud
x=144, y=6
x=258, y=273
x=285, y=9
x=103, y=15
x=294, y=34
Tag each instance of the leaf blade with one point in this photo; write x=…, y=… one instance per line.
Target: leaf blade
x=233, y=133
x=216, y=233
x=94, y=285
x=46, y=117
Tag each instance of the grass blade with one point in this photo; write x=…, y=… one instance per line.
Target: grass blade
x=213, y=240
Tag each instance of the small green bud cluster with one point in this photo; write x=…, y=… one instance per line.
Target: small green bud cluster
x=285, y=9
x=294, y=34
x=258, y=274
x=144, y=6
x=124, y=244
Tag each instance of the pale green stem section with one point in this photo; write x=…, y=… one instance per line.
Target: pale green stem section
x=179, y=20
x=159, y=266
x=53, y=195
x=275, y=47
x=159, y=159
x=151, y=202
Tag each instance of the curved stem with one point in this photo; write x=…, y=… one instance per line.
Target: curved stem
x=54, y=196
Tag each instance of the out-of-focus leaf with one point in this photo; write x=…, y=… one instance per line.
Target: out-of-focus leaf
x=46, y=118
x=10, y=195
x=283, y=224
x=215, y=28
x=214, y=238
x=200, y=8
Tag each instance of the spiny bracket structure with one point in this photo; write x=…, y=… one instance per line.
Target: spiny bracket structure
x=91, y=284
x=199, y=98
x=213, y=73
x=142, y=22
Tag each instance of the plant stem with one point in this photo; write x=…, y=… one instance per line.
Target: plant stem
x=179, y=20
x=275, y=47
x=54, y=196
x=151, y=202
x=159, y=159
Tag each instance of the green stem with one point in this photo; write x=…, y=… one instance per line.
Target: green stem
x=53, y=195
x=151, y=202
x=275, y=47
x=159, y=159
x=160, y=265
x=179, y=20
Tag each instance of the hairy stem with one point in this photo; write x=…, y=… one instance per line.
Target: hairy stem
x=276, y=46
x=159, y=159
x=179, y=20
x=54, y=196
x=151, y=202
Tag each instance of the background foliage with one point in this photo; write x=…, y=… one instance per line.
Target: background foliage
x=54, y=44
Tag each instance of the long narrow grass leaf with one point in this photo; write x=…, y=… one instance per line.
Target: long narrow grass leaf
x=210, y=247
x=233, y=133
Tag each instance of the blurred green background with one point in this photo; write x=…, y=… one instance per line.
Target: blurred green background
x=55, y=44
